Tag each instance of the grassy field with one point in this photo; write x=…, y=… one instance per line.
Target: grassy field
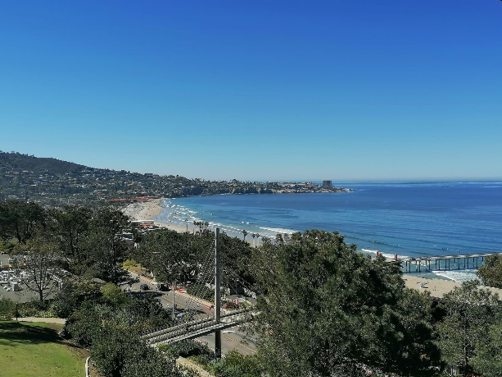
x=35, y=350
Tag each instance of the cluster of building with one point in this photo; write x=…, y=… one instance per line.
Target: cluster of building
x=54, y=183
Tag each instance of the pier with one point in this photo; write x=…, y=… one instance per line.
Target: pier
x=443, y=262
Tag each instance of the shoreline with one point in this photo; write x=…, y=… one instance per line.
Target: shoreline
x=151, y=209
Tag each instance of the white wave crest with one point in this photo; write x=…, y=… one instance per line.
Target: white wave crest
x=279, y=230
x=458, y=276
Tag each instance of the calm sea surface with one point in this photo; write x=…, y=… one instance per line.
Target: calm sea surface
x=408, y=219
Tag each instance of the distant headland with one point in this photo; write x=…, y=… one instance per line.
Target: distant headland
x=53, y=182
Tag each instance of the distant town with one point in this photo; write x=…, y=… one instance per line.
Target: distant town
x=53, y=182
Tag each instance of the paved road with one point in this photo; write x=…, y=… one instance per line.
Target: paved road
x=232, y=339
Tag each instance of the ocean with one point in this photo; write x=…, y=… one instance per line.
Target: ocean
x=406, y=218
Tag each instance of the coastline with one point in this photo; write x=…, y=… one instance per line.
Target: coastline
x=438, y=287
x=151, y=209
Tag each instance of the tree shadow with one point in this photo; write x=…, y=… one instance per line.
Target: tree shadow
x=14, y=334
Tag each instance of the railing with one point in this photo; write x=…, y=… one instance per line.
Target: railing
x=193, y=329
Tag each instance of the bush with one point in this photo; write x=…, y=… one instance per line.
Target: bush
x=33, y=309
x=7, y=309
x=70, y=298
x=129, y=263
x=186, y=348
x=236, y=364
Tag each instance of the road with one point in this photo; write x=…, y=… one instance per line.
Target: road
x=231, y=339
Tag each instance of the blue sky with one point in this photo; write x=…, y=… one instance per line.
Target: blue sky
x=257, y=90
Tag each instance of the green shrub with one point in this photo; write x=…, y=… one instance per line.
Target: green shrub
x=7, y=309
x=129, y=263
x=186, y=348
x=33, y=309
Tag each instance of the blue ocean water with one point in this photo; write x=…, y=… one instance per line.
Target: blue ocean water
x=408, y=219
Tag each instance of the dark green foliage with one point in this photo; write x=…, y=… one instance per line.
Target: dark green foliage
x=112, y=334
x=113, y=347
x=488, y=358
x=104, y=247
x=187, y=348
x=186, y=257
x=151, y=363
x=171, y=255
x=469, y=313
x=113, y=295
x=490, y=272
x=328, y=310
x=146, y=313
x=73, y=294
x=7, y=309
x=21, y=220
x=236, y=365
x=70, y=227
x=83, y=325
x=236, y=263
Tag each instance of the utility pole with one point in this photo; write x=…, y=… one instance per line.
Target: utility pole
x=217, y=298
x=174, y=300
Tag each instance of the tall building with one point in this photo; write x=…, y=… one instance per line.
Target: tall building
x=327, y=184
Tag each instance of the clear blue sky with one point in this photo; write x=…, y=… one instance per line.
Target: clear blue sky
x=257, y=90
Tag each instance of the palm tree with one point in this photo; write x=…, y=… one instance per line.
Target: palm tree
x=257, y=235
x=244, y=233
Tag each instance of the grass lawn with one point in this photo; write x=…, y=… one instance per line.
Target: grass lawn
x=35, y=350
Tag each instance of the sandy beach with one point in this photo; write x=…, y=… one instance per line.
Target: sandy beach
x=437, y=287
x=149, y=210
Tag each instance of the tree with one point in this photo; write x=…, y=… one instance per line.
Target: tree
x=171, y=255
x=327, y=310
x=112, y=347
x=20, y=220
x=490, y=272
x=235, y=260
x=234, y=364
x=488, y=358
x=73, y=294
x=104, y=245
x=152, y=364
x=470, y=311
x=39, y=259
x=113, y=294
x=71, y=226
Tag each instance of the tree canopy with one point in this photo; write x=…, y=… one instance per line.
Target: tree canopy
x=469, y=313
x=328, y=310
x=490, y=272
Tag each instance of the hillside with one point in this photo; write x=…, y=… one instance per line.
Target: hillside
x=17, y=161
x=53, y=182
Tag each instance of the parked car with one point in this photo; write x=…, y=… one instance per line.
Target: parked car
x=163, y=287
x=144, y=287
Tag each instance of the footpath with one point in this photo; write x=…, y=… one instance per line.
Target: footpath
x=61, y=321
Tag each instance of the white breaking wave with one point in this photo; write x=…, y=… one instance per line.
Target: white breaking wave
x=279, y=230
x=458, y=276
